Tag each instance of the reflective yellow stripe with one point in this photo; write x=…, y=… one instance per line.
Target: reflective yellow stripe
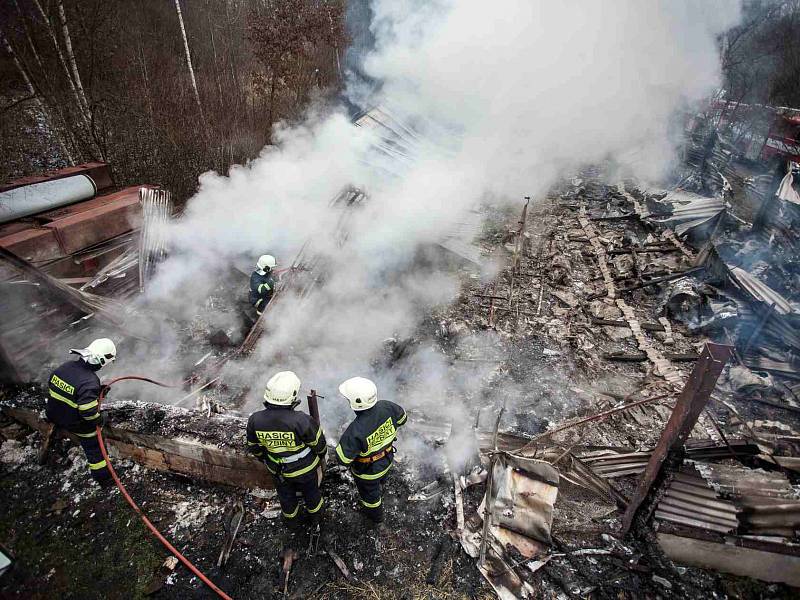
x=303, y=470
x=265, y=286
x=319, y=435
x=340, y=452
x=66, y=401
x=373, y=505
x=87, y=435
x=374, y=449
x=88, y=405
x=249, y=443
x=402, y=419
x=260, y=300
x=374, y=476
x=92, y=417
x=313, y=510
x=293, y=514
x=97, y=465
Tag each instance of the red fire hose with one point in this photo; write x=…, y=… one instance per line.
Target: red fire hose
x=133, y=504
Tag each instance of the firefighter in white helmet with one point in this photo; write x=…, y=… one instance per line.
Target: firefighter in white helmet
x=367, y=443
x=291, y=445
x=72, y=404
x=262, y=282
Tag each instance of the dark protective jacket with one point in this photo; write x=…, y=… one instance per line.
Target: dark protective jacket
x=288, y=441
x=261, y=289
x=373, y=431
x=73, y=390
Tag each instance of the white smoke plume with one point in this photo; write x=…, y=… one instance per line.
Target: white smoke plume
x=506, y=96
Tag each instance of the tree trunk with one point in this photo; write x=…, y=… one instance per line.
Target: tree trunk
x=36, y=97
x=271, y=105
x=84, y=116
x=62, y=15
x=188, y=57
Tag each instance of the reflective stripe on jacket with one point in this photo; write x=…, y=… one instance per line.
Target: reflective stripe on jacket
x=73, y=390
x=278, y=433
x=372, y=431
x=261, y=289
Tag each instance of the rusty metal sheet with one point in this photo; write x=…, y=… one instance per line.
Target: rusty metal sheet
x=684, y=416
x=98, y=171
x=33, y=245
x=120, y=213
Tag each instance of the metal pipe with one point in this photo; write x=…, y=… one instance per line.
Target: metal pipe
x=46, y=195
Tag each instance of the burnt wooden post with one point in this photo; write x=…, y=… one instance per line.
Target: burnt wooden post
x=687, y=410
x=313, y=406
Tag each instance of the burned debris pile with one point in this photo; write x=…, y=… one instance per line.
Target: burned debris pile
x=628, y=284
x=631, y=419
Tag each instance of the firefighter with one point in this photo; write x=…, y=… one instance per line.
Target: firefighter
x=291, y=445
x=74, y=390
x=262, y=283
x=367, y=443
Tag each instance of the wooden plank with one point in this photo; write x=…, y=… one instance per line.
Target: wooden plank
x=747, y=562
x=182, y=456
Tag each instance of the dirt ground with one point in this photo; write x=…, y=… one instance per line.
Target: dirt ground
x=71, y=539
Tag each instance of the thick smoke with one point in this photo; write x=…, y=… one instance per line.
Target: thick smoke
x=506, y=96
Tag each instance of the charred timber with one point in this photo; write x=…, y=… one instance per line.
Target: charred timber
x=171, y=439
x=645, y=326
x=642, y=357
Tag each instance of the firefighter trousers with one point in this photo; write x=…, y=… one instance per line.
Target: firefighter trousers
x=370, y=492
x=307, y=486
x=87, y=435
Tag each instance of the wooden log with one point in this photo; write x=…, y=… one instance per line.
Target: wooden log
x=202, y=456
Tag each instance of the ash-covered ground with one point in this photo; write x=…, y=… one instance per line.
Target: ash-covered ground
x=71, y=539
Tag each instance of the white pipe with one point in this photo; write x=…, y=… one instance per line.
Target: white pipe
x=39, y=197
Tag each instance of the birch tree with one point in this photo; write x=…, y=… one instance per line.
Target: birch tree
x=82, y=109
x=71, y=57
x=33, y=95
x=188, y=57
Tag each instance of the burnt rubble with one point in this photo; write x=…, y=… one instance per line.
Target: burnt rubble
x=650, y=449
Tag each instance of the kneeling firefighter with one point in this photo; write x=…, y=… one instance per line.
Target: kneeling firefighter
x=74, y=390
x=367, y=443
x=291, y=445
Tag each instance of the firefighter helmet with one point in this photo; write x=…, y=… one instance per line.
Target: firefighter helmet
x=360, y=392
x=282, y=389
x=100, y=352
x=266, y=263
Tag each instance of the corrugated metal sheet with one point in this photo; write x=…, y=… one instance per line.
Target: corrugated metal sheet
x=760, y=291
x=731, y=499
x=689, y=210
x=610, y=463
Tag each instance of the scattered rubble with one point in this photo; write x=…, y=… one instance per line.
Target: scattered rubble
x=651, y=447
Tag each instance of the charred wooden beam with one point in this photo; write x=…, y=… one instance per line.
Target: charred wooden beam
x=655, y=281
x=610, y=323
x=642, y=357
x=615, y=217
x=208, y=457
x=649, y=249
x=684, y=416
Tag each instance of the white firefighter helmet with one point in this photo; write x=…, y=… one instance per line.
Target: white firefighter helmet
x=266, y=262
x=100, y=352
x=282, y=389
x=360, y=392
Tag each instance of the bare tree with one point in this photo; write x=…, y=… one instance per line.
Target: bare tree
x=85, y=117
x=188, y=57
x=62, y=15
x=33, y=95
